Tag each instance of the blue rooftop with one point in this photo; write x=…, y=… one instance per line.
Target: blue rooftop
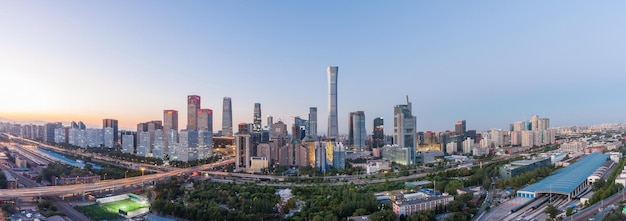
x=567, y=179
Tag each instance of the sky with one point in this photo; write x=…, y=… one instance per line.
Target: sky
x=489, y=62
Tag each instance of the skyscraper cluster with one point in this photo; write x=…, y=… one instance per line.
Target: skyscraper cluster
x=162, y=139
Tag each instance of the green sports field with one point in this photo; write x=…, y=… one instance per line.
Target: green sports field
x=110, y=211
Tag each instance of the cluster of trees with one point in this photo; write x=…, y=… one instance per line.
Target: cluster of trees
x=47, y=209
x=450, y=180
x=220, y=201
x=8, y=208
x=314, y=172
x=194, y=163
x=525, y=178
x=616, y=216
x=60, y=170
x=335, y=202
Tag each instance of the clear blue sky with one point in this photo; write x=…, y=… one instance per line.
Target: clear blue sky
x=489, y=62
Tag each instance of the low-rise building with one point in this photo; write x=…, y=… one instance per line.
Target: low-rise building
x=600, y=172
x=373, y=166
x=474, y=190
x=409, y=207
x=521, y=166
x=258, y=163
x=69, y=180
x=11, y=181
x=21, y=162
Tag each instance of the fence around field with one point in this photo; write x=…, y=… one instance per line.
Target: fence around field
x=137, y=212
x=112, y=199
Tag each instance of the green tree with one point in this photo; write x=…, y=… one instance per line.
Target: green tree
x=552, y=211
x=569, y=212
x=452, y=186
x=598, y=184
x=424, y=215
x=360, y=212
x=318, y=218
x=330, y=217
x=455, y=206
x=456, y=217
x=383, y=215
x=486, y=182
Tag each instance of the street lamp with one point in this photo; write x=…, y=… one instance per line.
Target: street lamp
x=142, y=181
x=105, y=176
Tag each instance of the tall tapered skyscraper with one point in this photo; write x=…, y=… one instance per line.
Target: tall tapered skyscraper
x=256, y=127
x=193, y=105
x=333, y=125
x=227, y=118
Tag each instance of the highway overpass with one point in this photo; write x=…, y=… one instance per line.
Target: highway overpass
x=105, y=184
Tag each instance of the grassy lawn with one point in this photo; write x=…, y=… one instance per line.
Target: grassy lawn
x=98, y=213
x=109, y=211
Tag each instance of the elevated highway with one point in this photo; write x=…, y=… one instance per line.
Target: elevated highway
x=104, y=185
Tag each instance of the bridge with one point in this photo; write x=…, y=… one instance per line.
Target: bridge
x=105, y=184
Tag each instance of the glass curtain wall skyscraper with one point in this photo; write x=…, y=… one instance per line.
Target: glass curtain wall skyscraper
x=112, y=123
x=205, y=119
x=227, y=118
x=351, y=129
x=193, y=105
x=378, y=135
x=404, y=130
x=359, y=134
x=170, y=122
x=333, y=125
x=256, y=127
x=312, y=132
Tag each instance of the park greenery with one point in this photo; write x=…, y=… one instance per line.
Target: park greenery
x=54, y=170
x=220, y=201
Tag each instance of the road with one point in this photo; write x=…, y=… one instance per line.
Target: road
x=589, y=211
x=105, y=184
x=58, y=203
x=98, y=157
x=487, y=201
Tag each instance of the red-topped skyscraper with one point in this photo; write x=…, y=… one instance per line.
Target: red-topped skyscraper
x=205, y=119
x=193, y=105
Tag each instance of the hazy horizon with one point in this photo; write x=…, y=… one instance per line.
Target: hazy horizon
x=490, y=63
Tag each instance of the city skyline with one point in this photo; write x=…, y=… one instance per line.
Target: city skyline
x=489, y=64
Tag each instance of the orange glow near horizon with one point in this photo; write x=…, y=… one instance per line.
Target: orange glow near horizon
x=124, y=122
